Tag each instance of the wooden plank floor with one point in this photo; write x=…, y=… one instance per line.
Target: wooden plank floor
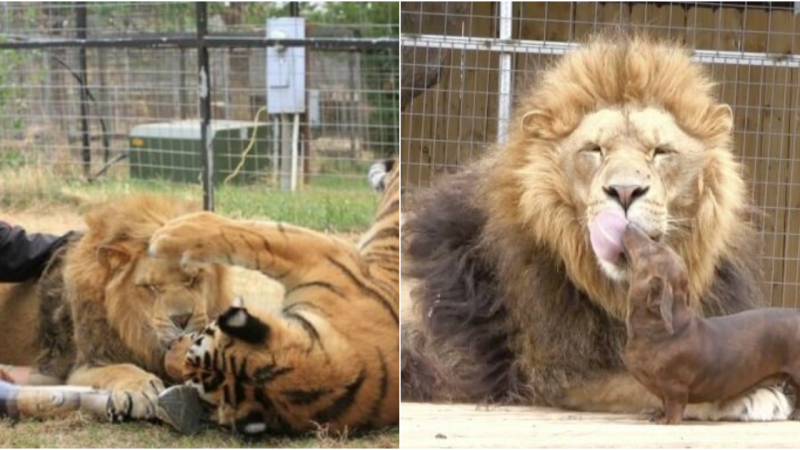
x=470, y=426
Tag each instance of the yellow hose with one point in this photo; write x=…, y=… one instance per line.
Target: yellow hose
x=249, y=147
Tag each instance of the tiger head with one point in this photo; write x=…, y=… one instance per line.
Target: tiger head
x=253, y=371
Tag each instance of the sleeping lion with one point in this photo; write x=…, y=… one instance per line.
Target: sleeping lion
x=511, y=304
x=103, y=313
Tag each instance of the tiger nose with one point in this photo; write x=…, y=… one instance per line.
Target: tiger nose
x=180, y=320
x=625, y=194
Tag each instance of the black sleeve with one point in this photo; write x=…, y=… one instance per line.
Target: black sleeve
x=24, y=256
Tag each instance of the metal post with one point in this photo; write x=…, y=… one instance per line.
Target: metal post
x=349, y=113
x=504, y=94
x=287, y=152
x=204, y=95
x=86, y=152
x=295, y=152
x=294, y=11
x=305, y=148
x=183, y=101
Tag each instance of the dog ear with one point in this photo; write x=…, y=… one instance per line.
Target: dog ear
x=661, y=294
x=667, y=299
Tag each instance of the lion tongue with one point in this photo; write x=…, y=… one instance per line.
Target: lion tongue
x=606, y=235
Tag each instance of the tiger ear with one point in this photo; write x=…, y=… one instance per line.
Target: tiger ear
x=238, y=323
x=113, y=256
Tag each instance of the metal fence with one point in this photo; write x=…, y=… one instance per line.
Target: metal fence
x=183, y=92
x=463, y=63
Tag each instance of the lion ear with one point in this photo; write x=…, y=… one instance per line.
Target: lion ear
x=535, y=122
x=113, y=256
x=721, y=116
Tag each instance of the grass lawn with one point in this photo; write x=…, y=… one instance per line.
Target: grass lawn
x=76, y=431
x=329, y=203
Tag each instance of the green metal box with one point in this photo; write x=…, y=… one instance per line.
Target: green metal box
x=172, y=151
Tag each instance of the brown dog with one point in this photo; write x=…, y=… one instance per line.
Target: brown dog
x=683, y=358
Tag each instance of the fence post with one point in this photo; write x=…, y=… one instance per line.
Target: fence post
x=204, y=95
x=504, y=97
x=80, y=22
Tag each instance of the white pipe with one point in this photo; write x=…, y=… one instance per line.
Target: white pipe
x=504, y=92
x=276, y=150
x=295, y=150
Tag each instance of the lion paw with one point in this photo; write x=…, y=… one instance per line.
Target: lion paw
x=759, y=405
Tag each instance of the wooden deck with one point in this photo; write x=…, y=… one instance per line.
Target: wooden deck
x=470, y=426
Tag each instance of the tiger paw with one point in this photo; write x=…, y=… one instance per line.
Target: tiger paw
x=134, y=405
x=188, y=239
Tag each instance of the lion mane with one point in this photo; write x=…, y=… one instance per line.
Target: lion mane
x=510, y=302
x=91, y=314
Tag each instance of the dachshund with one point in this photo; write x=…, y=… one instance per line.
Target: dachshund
x=683, y=358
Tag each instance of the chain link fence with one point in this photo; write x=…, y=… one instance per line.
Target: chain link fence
x=463, y=63
x=178, y=94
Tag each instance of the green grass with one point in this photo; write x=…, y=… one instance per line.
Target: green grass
x=76, y=431
x=329, y=203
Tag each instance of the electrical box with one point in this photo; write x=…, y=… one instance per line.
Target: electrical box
x=173, y=151
x=286, y=67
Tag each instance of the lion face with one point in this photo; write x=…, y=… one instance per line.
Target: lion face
x=636, y=160
x=625, y=123
x=152, y=302
x=176, y=296
x=129, y=306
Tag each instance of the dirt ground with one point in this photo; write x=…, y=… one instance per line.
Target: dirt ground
x=470, y=426
x=45, y=220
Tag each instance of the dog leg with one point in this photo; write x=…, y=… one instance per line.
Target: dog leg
x=673, y=412
x=674, y=404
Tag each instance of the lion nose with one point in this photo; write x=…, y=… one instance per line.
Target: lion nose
x=180, y=320
x=625, y=194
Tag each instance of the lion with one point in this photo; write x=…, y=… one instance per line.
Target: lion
x=104, y=313
x=511, y=304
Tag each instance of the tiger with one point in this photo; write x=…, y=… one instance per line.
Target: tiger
x=328, y=356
